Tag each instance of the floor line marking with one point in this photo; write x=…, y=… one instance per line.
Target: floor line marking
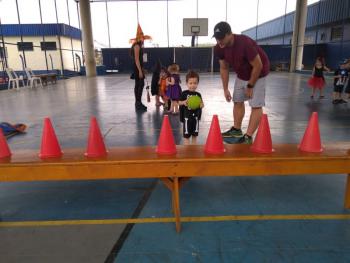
x=171, y=219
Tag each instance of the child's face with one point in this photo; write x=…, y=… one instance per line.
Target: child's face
x=192, y=84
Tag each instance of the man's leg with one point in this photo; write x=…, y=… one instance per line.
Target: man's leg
x=256, y=103
x=238, y=110
x=254, y=120
x=238, y=114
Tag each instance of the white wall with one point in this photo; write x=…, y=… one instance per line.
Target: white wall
x=36, y=59
x=67, y=54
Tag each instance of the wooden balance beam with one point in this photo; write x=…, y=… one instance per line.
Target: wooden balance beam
x=190, y=161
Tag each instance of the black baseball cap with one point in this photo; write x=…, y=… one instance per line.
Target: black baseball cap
x=221, y=29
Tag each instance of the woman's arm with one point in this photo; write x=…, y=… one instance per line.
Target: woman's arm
x=137, y=60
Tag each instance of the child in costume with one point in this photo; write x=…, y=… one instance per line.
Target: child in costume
x=188, y=116
x=317, y=80
x=155, y=89
x=173, y=87
x=163, y=88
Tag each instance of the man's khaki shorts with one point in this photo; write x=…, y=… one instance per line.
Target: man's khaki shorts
x=258, y=99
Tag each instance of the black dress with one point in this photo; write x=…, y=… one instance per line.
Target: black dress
x=139, y=82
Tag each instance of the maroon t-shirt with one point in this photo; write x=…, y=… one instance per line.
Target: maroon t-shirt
x=243, y=50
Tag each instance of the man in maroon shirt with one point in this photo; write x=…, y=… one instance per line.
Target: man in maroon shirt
x=251, y=65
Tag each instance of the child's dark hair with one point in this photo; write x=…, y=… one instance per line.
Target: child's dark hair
x=192, y=74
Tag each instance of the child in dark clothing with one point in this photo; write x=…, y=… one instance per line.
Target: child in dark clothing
x=347, y=89
x=340, y=78
x=190, y=117
x=163, y=88
x=155, y=91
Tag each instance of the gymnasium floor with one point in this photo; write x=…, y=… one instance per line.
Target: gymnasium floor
x=51, y=221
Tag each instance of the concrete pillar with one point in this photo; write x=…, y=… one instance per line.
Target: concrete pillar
x=296, y=57
x=88, y=41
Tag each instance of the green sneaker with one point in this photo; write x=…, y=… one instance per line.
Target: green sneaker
x=246, y=139
x=233, y=132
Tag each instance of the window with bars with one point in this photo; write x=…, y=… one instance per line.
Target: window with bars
x=25, y=46
x=337, y=33
x=48, y=45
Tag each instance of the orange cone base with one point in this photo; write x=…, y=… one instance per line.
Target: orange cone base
x=44, y=156
x=165, y=151
x=215, y=151
x=311, y=150
x=256, y=150
x=95, y=155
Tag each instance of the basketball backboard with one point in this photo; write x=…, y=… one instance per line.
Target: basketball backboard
x=195, y=27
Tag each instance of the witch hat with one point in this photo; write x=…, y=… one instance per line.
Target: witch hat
x=139, y=35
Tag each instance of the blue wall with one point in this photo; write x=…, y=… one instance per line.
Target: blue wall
x=40, y=29
x=199, y=59
x=321, y=13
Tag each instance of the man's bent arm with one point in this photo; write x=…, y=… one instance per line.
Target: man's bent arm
x=224, y=73
x=257, y=67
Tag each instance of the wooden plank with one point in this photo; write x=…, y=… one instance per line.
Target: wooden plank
x=176, y=204
x=139, y=162
x=347, y=193
x=168, y=183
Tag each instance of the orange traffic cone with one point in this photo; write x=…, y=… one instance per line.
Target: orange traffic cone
x=4, y=148
x=263, y=142
x=96, y=146
x=311, y=141
x=166, y=142
x=214, y=144
x=49, y=144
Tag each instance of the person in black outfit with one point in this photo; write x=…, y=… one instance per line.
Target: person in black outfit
x=347, y=89
x=138, y=70
x=155, y=89
x=340, y=77
x=190, y=117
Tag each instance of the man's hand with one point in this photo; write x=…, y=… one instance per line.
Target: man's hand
x=227, y=95
x=249, y=92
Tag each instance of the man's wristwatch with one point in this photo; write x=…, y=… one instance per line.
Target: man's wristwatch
x=250, y=86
